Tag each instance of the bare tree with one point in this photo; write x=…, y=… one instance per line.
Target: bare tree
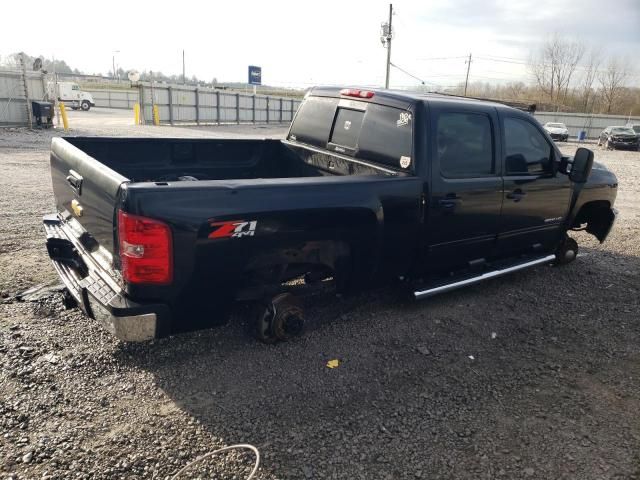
x=554, y=64
x=612, y=80
x=589, y=75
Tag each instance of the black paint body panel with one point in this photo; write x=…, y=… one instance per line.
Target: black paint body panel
x=363, y=222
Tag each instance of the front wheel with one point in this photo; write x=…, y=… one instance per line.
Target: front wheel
x=85, y=105
x=567, y=252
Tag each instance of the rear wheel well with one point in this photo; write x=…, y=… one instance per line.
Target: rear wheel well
x=267, y=272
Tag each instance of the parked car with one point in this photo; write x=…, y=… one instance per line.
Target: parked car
x=619, y=137
x=158, y=235
x=635, y=126
x=557, y=131
x=71, y=93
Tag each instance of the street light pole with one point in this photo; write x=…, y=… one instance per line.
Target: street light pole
x=389, y=35
x=113, y=61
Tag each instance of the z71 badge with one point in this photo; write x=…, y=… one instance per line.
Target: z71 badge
x=233, y=229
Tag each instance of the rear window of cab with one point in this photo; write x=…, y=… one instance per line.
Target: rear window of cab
x=367, y=131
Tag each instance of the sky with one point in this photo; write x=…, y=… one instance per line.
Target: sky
x=302, y=43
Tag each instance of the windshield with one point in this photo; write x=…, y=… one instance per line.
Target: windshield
x=623, y=130
x=556, y=125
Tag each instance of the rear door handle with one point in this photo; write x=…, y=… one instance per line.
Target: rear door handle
x=75, y=180
x=516, y=195
x=449, y=202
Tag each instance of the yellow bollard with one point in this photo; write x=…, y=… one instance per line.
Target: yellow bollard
x=136, y=113
x=156, y=115
x=65, y=121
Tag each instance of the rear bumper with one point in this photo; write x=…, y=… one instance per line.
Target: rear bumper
x=97, y=291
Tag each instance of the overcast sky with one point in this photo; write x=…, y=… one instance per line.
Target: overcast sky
x=301, y=43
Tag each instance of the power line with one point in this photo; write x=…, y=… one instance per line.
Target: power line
x=439, y=58
x=410, y=74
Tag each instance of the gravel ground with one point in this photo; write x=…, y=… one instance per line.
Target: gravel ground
x=536, y=375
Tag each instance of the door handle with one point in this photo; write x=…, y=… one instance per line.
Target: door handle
x=447, y=204
x=75, y=180
x=516, y=195
x=449, y=201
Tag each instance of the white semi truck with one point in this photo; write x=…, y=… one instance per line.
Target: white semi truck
x=70, y=93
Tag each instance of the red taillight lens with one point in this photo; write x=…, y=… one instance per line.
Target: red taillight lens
x=146, y=253
x=352, y=92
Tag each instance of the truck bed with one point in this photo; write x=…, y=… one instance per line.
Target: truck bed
x=170, y=160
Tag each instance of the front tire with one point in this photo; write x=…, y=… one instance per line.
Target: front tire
x=85, y=105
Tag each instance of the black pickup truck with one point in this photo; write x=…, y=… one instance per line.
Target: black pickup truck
x=155, y=235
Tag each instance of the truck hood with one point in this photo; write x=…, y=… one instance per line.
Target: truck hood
x=601, y=175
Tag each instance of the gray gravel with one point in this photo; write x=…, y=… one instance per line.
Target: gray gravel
x=532, y=376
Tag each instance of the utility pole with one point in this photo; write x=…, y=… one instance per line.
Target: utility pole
x=466, y=82
x=184, y=78
x=113, y=60
x=389, y=35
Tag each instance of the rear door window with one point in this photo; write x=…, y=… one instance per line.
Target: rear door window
x=465, y=145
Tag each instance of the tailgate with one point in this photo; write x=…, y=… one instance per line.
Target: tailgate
x=85, y=189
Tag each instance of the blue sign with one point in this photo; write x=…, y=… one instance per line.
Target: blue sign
x=255, y=75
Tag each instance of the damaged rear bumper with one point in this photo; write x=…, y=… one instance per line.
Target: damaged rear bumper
x=97, y=292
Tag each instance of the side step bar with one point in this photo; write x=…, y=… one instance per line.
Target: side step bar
x=485, y=276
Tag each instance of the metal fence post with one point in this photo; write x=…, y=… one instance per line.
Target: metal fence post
x=267, y=108
x=197, y=106
x=218, y=106
x=141, y=102
x=238, y=108
x=109, y=98
x=281, y=110
x=170, y=104
x=253, y=116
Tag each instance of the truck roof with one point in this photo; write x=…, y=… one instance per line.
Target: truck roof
x=403, y=98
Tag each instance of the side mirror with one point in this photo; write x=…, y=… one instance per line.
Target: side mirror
x=581, y=166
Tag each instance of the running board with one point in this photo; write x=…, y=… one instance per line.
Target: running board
x=480, y=278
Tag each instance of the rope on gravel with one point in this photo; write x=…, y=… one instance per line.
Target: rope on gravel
x=244, y=446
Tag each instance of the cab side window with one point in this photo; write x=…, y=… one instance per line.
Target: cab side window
x=465, y=145
x=527, y=152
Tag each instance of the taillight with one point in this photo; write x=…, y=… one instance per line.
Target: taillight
x=352, y=92
x=146, y=253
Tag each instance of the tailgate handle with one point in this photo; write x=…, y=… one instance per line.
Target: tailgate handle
x=75, y=180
